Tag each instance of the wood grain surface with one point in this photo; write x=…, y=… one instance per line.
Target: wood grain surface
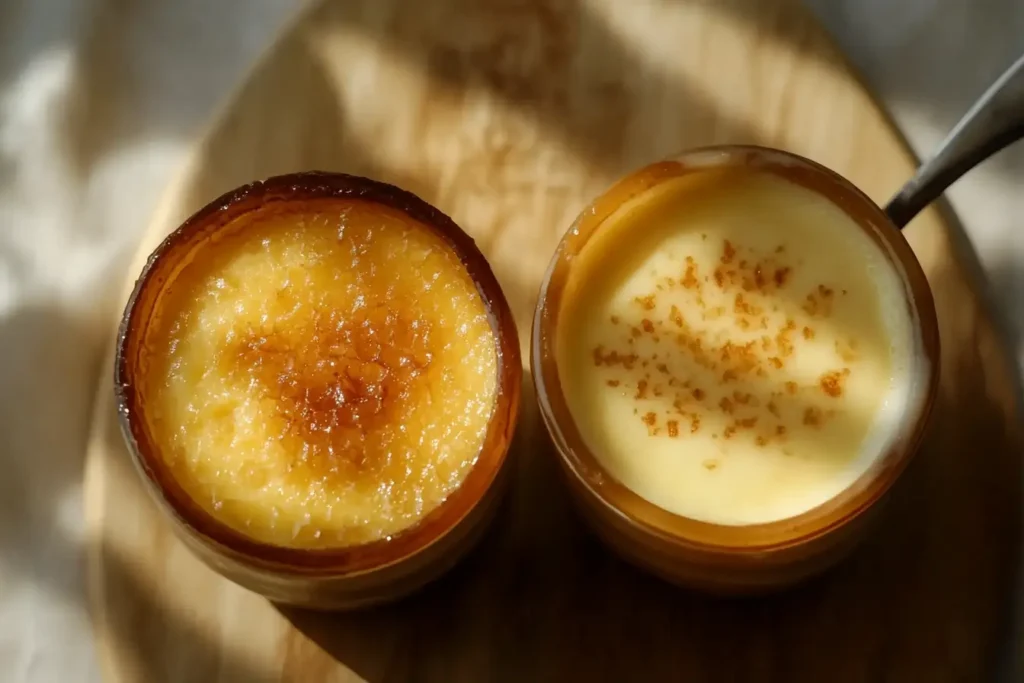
x=509, y=115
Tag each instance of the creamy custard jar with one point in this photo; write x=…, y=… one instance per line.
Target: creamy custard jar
x=318, y=378
x=735, y=353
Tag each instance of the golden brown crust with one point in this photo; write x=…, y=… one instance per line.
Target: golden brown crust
x=307, y=406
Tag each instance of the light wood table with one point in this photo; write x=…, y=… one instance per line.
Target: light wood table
x=509, y=116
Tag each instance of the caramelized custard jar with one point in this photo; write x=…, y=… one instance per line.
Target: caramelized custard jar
x=318, y=379
x=735, y=353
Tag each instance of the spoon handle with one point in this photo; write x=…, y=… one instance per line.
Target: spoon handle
x=995, y=121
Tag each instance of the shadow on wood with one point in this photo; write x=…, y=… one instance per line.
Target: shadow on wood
x=509, y=119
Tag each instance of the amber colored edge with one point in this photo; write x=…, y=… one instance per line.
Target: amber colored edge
x=643, y=516
x=299, y=190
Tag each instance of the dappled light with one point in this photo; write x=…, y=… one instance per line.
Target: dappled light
x=510, y=117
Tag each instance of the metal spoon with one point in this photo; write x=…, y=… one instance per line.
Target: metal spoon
x=995, y=121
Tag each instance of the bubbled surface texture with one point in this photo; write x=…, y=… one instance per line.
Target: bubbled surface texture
x=323, y=377
x=99, y=107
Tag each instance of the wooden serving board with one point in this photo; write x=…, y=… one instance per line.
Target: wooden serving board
x=509, y=115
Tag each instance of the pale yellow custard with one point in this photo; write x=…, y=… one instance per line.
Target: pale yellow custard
x=733, y=347
x=321, y=377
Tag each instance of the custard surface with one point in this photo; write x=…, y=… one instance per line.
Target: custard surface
x=321, y=378
x=733, y=347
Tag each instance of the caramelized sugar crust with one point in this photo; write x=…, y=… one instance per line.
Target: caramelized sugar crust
x=321, y=378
